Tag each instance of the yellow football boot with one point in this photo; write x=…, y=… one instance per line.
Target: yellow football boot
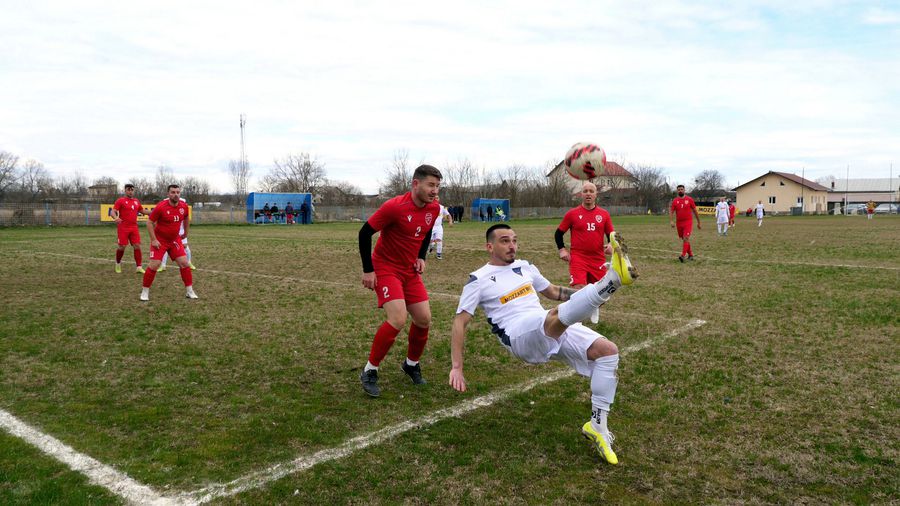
x=119, y=268
x=604, y=447
x=620, y=262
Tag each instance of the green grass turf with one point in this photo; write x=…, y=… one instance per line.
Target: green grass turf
x=784, y=396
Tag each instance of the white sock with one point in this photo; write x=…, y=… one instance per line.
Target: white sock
x=583, y=302
x=411, y=363
x=145, y=290
x=598, y=420
x=165, y=258
x=188, y=251
x=370, y=367
x=440, y=247
x=603, y=388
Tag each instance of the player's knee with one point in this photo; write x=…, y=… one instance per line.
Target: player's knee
x=602, y=347
x=422, y=321
x=398, y=321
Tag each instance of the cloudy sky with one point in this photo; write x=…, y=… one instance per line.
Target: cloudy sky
x=120, y=88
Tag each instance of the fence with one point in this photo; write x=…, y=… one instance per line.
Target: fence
x=51, y=214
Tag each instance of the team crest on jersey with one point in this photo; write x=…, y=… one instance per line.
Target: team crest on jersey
x=428, y=218
x=579, y=216
x=517, y=270
x=180, y=210
x=599, y=218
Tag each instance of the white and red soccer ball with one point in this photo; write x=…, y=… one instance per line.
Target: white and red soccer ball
x=585, y=161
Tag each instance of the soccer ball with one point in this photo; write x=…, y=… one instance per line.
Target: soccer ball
x=585, y=161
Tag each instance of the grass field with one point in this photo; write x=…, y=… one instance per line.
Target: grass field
x=784, y=395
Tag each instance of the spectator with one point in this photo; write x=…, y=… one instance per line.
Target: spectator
x=268, y=212
x=275, y=212
x=304, y=210
x=289, y=213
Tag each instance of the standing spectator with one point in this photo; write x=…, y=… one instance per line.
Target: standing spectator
x=268, y=212
x=870, y=209
x=490, y=213
x=275, y=212
x=304, y=209
x=289, y=213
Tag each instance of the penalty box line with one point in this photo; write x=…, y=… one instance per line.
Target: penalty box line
x=768, y=262
x=260, y=478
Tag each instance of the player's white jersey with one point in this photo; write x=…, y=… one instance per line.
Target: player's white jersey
x=722, y=212
x=759, y=210
x=181, y=229
x=503, y=292
x=439, y=221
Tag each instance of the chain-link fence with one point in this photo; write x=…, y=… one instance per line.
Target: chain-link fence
x=51, y=214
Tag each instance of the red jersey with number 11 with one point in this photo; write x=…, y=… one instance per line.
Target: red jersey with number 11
x=168, y=219
x=682, y=207
x=403, y=227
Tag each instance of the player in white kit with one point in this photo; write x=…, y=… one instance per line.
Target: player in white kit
x=506, y=289
x=187, y=249
x=722, y=214
x=437, y=232
x=760, y=212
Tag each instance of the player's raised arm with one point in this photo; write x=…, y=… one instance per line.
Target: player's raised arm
x=457, y=343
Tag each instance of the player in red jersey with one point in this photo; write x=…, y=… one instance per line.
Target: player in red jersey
x=589, y=225
x=395, y=270
x=125, y=212
x=164, y=225
x=684, y=209
x=731, y=210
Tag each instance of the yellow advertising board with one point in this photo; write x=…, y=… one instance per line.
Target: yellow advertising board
x=710, y=210
x=106, y=212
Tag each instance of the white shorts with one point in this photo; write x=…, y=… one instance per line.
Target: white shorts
x=437, y=234
x=529, y=343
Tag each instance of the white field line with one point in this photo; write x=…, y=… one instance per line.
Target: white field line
x=766, y=262
x=235, y=273
x=97, y=473
x=259, y=478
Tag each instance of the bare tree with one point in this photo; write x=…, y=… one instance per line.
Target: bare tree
x=295, y=174
x=651, y=189
x=9, y=165
x=144, y=188
x=164, y=177
x=34, y=180
x=71, y=186
x=240, y=177
x=341, y=193
x=709, y=184
x=195, y=189
x=399, y=175
x=460, y=180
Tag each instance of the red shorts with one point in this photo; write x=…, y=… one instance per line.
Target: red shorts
x=392, y=285
x=174, y=249
x=129, y=234
x=684, y=229
x=584, y=270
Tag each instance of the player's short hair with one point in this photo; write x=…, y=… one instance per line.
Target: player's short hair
x=423, y=171
x=679, y=186
x=489, y=235
x=172, y=186
x=128, y=185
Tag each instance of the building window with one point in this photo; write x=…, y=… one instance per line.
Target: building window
x=781, y=183
x=763, y=183
x=771, y=200
x=799, y=201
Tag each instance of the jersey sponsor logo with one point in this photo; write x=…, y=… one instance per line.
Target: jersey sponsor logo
x=428, y=218
x=518, y=292
x=409, y=218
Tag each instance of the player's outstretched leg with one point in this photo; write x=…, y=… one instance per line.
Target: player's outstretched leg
x=583, y=302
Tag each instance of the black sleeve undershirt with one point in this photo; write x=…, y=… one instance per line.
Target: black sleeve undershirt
x=365, y=246
x=558, y=235
x=423, y=249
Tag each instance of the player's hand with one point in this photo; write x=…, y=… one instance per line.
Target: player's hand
x=118, y=220
x=155, y=243
x=698, y=225
x=419, y=266
x=369, y=280
x=457, y=380
x=564, y=255
x=672, y=224
x=607, y=250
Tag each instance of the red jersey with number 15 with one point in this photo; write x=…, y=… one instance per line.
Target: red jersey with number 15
x=682, y=207
x=168, y=219
x=128, y=211
x=588, y=230
x=403, y=227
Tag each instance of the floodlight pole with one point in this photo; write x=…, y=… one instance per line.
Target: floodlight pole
x=243, y=157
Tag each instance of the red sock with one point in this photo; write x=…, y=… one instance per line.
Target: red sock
x=149, y=274
x=684, y=248
x=417, y=339
x=690, y=251
x=384, y=339
x=186, y=276
x=119, y=254
x=137, y=256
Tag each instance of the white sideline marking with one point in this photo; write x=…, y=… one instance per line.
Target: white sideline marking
x=97, y=473
x=235, y=273
x=278, y=471
x=767, y=262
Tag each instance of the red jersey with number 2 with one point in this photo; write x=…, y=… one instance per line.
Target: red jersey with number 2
x=589, y=227
x=168, y=219
x=403, y=227
x=682, y=207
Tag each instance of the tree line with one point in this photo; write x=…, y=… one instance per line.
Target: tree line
x=29, y=181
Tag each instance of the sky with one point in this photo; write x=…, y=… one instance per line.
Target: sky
x=121, y=88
